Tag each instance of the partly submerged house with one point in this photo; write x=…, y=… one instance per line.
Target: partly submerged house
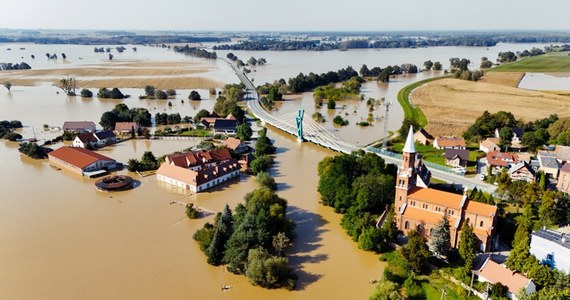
x=236, y=145
x=79, y=160
x=78, y=126
x=126, y=128
x=97, y=139
x=200, y=179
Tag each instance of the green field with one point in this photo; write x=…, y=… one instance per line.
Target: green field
x=411, y=112
x=557, y=62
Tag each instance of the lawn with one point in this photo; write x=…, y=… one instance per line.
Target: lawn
x=558, y=62
x=429, y=153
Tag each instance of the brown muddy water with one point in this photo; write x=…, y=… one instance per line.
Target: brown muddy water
x=60, y=238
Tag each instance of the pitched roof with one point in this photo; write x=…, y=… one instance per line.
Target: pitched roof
x=562, y=153
x=126, y=126
x=423, y=132
x=482, y=209
x=410, y=147
x=225, y=124
x=565, y=168
x=197, y=177
x=518, y=131
x=490, y=142
x=78, y=125
x=426, y=216
x=450, y=142
x=77, y=156
x=177, y=173
x=519, y=166
x=195, y=158
x=87, y=138
x=231, y=143
x=103, y=135
x=503, y=159
x=231, y=117
x=494, y=272
x=436, y=197
x=452, y=153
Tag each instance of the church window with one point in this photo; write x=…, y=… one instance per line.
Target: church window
x=407, y=225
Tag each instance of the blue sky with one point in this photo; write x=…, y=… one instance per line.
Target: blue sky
x=287, y=15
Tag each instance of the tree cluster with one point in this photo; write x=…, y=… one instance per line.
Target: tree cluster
x=263, y=148
x=197, y=52
x=225, y=106
x=16, y=66
x=360, y=186
x=167, y=119
x=7, y=128
x=33, y=150
x=338, y=120
x=122, y=113
x=303, y=83
x=251, y=240
x=115, y=93
x=278, y=45
x=148, y=162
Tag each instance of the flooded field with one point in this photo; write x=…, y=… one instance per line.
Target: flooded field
x=62, y=239
x=545, y=82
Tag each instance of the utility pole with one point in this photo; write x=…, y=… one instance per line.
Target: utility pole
x=386, y=124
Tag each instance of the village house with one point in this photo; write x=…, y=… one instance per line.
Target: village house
x=78, y=126
x=501, y=159
x=422, y=208
x=200, y=170
x=456, y=157
x=489, y=144
x=522, y=171
x=236, y=145
x=94, y=140
x=563, y=183
x=227, y=125
x=79, y=160
x=548, y=163
x=551, y=248
x=517, y=135
x=493, y=272
x=562, y=154
x=126, y=128
x=423, y=137
x=442, y=143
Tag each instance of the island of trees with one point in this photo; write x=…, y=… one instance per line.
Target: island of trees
x=193, y=51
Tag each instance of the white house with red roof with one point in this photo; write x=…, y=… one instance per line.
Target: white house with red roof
x=493, y=272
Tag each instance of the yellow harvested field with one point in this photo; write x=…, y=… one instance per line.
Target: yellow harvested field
x=158, y=82
x=107, y=72
x=451, y=105
x=503, y=78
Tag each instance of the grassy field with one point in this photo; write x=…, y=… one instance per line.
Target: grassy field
x=452, y=105
x=413, y=112
x=557, y=62
x=430, y=153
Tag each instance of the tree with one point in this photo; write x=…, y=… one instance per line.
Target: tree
x=428, y=65
x=194, y=95
x=440, y=238
x=260, y=164
x=149, y=90
x=191, y=211
x=521, y=243
x=467, y=248
x=85, y=93
x=385, y=290
x=280, y=242
x=171, y=92
x=263, y=145
x=506, y=135
x=389, y=227
x=437, y=66
x=201, y=114
x=371, y=239
x=7, y=85
x=160, y=94
x=68, y=85
x=269, y=271
x=415, y=252
x=364, y=71
x=265, y=180
x=547, y=212
x=403, y=131
x=498, y=291
x=244, y=132
x=223, y=231
x=32, y=150
x=331, y=104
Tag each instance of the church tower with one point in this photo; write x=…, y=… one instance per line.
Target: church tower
x=406, y=177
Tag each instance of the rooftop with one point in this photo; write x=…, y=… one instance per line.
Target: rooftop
x=452, y=153
x=494, y=272
x=519, y=166
x=225, y=124
x=78, y=157
x=436, y=197
x=409, y=147
x=565, y=168
x=562, y=153
x=503, y=159
x=125, y=126
x=548, y=162
x=559, y=238
x=231, y=143
x=450, y=142
x=481, y=208
x=78, y=124
x=490, y=142
x=102, y=135
x=426, y=216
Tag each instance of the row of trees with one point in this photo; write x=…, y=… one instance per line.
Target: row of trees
x=7, y=130
x=14, y=66
x=115, y=93
x=331, y=93
x=251, y=240
x=197, y=52
x=263, y=148
x=167, y=119
x=122, y=113
x=33, y=150
x=303, y=83
x=153, y=93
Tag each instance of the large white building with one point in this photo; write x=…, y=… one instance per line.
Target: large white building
x=199, y=180
x=551, y=248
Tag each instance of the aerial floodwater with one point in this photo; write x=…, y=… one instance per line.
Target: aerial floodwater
x=61, y=238
x=546, y=82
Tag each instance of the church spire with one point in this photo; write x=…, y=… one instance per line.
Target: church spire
x=410, y=147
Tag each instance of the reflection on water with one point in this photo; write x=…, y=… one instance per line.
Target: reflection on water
x=545, y=82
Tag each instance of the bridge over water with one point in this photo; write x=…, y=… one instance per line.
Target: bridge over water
x=316, y=133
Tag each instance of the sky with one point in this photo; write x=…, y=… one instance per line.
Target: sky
x=287, y=15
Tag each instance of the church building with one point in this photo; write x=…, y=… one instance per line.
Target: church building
x=421, y=208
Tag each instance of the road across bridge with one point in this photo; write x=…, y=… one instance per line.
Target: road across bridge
x=315, y=133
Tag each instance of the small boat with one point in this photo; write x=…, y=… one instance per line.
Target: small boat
x=226, y=287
